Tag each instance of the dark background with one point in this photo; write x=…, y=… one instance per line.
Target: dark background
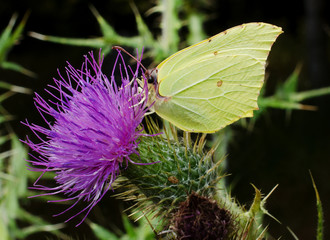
x=277, y=151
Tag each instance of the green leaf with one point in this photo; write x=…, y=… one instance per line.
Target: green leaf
x=300, y=96
x=274, y=102
x=3, y=229
x=320, y=219
x=3, y=139
x=196, y=30
x=37, y=224
x=83, y=42
x=291, y=84
x=144, y=32
x=17, y=186
x=142, y=231
x=18, y=68
x=170, y=25
x=107, y=30
x=286, y=96
x=8, y=38
x=101, y=233
x=129, y=228
x=14, y=88
x=110, y=37
x=5, y=96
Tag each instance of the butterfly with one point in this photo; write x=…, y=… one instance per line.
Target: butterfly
x=211, y=84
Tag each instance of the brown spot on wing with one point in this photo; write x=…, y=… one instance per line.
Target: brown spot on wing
x=219, y=83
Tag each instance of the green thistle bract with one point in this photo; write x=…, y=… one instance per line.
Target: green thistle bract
x=181, y=170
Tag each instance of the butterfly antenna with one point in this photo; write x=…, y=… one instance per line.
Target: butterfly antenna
x=137, y=60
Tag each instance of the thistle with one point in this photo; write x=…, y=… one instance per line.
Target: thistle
x=183, y=172
x=96, y=129
x=185, y=191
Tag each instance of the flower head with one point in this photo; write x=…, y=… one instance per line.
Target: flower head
x=96, y=128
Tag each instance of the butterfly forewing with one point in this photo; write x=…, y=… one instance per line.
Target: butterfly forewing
x=254, y=39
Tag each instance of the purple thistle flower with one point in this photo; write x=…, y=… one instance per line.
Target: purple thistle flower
x=96, y=129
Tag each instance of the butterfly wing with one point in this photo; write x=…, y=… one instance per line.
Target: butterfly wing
x=217, y=81
x=253, y=39
x=207, y=96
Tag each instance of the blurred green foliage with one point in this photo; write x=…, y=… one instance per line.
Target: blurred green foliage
x=140, y=231
x=13, y=174
x=9, y=37
x=14, y=191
